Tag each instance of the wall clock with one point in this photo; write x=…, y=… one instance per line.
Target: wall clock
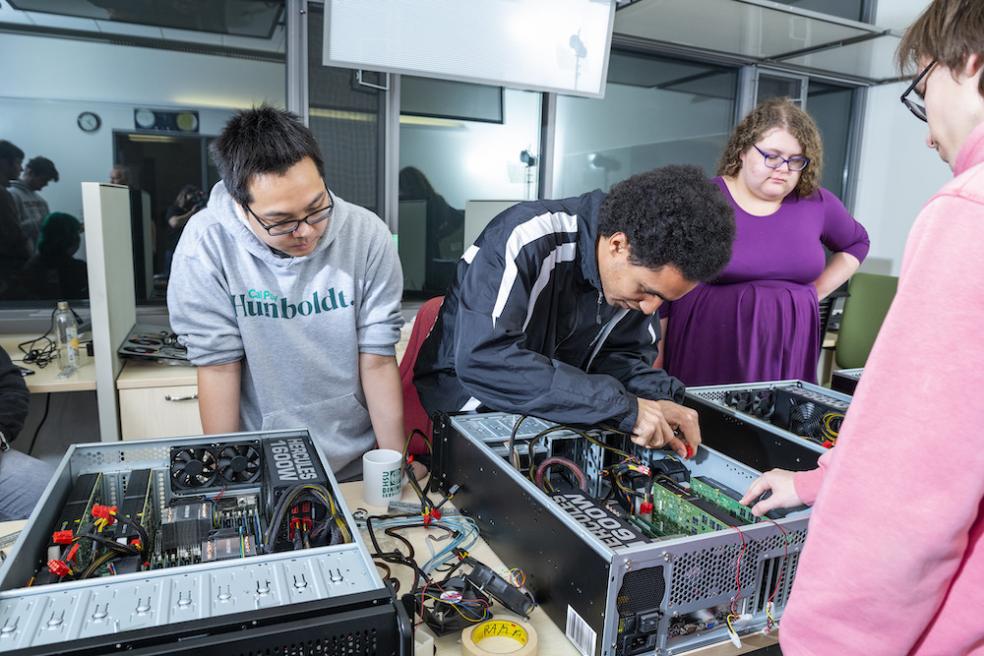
x=88, y=121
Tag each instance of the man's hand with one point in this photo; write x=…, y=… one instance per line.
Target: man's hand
x=667, y=424
x=779, y=483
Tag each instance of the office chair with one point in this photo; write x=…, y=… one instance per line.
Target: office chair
x=414, y=415
x=870, y=297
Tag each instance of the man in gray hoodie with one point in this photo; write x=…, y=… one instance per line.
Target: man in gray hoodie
x=288, y=298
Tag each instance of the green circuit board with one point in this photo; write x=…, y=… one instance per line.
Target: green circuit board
x=719, y=495
x=701, y=508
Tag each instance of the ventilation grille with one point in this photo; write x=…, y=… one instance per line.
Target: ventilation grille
x=710, y=573
x=642, y=590
x=716, y=395
x=357, y=643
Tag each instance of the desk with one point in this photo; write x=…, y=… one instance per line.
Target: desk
x=158, y=400
x=552, y=640
x=46, y=379
x=138, y=374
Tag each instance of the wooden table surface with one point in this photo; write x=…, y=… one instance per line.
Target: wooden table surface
x=48, y=379
x=552, y=640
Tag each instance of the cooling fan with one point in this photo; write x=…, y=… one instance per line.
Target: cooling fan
x=192, y=468
x=239, y=463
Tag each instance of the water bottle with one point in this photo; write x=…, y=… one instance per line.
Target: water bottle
x=67, y=331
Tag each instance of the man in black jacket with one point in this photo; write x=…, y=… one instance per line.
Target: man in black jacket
x=553, y=312
x=22, y=478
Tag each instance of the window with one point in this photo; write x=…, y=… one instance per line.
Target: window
x=831, y=108
x=776, y=85
x=656, y=111
x=93, y=104
x=483, y=146
x=345, y=117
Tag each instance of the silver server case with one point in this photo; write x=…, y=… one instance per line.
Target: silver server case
x=324, y=600
x=589, y=582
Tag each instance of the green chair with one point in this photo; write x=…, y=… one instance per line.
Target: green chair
x=870, y=297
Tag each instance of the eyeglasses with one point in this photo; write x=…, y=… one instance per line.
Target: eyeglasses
x=288, y=227
x=917, y=108
x=773, y=161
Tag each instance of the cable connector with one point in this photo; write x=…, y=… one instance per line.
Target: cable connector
x=646, y=509
x=63, y=537
x=70, y=556
x=107, y=513
x=427, y=517
x=59, y=568
x=435, y=513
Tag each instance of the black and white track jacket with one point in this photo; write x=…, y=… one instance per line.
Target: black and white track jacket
x=525, y=327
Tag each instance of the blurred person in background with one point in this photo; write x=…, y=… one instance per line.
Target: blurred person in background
x=32, y=208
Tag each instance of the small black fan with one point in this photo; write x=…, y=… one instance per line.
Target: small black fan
x=192, y=468
x=239, y=463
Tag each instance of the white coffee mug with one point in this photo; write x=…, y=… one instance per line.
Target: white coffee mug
x=382, y=476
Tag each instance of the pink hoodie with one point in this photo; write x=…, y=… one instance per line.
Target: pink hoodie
x=894, y=560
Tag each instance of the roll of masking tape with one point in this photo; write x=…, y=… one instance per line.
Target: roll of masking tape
x=500, y=636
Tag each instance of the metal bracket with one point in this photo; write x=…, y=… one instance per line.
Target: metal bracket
x=379, y=87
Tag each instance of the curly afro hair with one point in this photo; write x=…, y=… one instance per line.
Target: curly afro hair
x=672, y=215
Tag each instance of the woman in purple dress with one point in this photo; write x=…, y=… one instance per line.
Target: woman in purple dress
x=760, y=319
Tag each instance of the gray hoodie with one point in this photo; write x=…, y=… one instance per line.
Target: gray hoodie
x=298, y=323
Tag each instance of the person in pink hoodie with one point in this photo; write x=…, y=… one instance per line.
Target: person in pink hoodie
x=894, y=559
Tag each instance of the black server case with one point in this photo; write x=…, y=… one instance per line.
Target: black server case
x=845, y=381
x=747, y=443
x=515, y=526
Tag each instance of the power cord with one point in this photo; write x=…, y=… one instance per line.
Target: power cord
x=41, y=350
x=44, y=417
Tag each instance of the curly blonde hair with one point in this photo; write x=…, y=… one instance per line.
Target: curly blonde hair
x=777, y=113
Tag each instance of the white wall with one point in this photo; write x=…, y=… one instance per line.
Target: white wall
x=897, y=172
x=47, y=82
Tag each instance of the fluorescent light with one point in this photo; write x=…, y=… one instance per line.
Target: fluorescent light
x=430, y=121
x=153, y=138
x=342, y=115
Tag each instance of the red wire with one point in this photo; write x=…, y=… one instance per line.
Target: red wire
x=423, y=595
x=744, y=547
x=785, y=557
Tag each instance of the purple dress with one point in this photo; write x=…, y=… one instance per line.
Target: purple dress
x=759, y=320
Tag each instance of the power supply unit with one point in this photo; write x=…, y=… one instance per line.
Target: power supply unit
x=234, y=544
x=632, y=551
x=784, y=424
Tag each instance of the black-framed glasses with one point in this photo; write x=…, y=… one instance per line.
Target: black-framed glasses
x=917, y=108
x=774, y=161
x=288, y=227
